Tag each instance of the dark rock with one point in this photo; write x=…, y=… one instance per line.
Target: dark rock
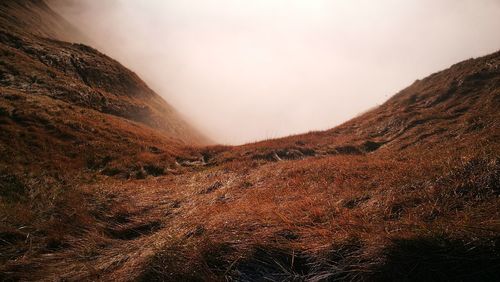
x=154, y=150
x=370, y=146
x=111, y=171
x=197, y=231
x=352, y=203
x=348, y=150
x=288, y=234
x=212, y=187
x=154, y=170
x=246, y=185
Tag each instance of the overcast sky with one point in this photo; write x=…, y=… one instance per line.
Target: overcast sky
x=247, y=70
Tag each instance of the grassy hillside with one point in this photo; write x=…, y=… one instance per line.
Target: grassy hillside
x=94, y=186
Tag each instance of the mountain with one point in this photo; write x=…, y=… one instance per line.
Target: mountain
x=34, y=17
x=101, y=180
x=60, y=99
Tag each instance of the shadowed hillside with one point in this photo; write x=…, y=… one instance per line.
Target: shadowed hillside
x=60, y=99
x=34, y=17
x=100, y=180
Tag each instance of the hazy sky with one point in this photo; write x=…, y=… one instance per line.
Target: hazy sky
x=247, y=70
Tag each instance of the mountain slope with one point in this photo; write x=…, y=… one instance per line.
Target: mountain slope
x=460, y=103
x=68, y=105
x=323, y=206
x=34, y=62
x=34, y=17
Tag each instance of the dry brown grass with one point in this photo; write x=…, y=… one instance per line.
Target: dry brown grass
x=316, y=218
x=407, y=191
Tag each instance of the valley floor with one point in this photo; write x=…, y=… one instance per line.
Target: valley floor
x=427, y=216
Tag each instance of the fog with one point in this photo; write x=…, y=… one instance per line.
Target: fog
x=242, y=71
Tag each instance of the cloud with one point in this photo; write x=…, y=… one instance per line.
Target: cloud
x=248, y=70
